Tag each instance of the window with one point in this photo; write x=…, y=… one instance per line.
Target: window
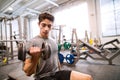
x=73, y=17
x=110, y=17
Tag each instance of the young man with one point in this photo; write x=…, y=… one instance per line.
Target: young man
x=47, y=69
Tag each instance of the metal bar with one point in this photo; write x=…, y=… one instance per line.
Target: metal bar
x=72, y=36
x=102, y=56
x=29, y=28
x=96, y=58
x=20, y=28
x=8, y=3
x=1, y=35
x=12, y=40
x=74, y=33
x=11, y=43
x=91, y=47
x=34, y=11
x=25, y=28
x=86, y=36
x=5, y=22
x=115, y=45
x=115, y=54
x=59, y=40
x=30, y=2
x=13, y=5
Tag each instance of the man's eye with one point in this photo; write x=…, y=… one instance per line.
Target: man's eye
x=49, y=26
x=43, y=25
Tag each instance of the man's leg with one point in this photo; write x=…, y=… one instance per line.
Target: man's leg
x=79, y=76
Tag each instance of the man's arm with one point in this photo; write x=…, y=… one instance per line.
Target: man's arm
x=30, y=65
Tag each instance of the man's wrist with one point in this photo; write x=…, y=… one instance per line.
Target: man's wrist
x=34, y=58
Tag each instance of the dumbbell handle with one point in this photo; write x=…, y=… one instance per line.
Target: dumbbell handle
x=46, y=52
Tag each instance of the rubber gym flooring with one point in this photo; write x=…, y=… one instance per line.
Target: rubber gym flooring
x=100, y=70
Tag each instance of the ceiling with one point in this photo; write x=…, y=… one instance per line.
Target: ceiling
x=13, y=8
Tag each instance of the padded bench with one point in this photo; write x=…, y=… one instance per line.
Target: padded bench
x=18, y=74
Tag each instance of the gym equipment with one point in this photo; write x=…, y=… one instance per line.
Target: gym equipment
x=89, y=50
x=46, y=51
x=66, y=45
x=73, y=57
x=3, y=53
x=101, y=51
x=59, y=47
x=2, y=46
x=3, y=57
x=6, y=30
x=86, y=37
x=5, y=60
x=73, y=51
x=69, y=58
x=61, y=57
x=19, y=27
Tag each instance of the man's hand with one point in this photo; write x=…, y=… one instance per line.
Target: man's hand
x=35, y=52
x=31, y=63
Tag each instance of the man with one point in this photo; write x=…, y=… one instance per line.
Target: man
x=47, y=69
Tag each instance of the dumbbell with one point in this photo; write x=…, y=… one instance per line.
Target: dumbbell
x=46, y=51
x=69, y=58
x=66, y=45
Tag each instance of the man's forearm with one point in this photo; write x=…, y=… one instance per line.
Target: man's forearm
x=30, y=66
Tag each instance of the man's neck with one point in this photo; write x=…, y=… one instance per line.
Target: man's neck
x=43, y=37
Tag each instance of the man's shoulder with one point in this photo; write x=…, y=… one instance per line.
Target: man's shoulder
x=51, y=39
x=35, y=37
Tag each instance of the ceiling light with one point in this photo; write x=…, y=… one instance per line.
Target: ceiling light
x=10, y=9
x=52, y=2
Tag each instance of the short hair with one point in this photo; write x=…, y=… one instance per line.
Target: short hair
x=44, y=16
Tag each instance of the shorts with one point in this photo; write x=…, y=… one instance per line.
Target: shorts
x=59, y=75
x=63, y=75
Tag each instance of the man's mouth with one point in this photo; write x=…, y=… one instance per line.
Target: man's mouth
x=45, y=32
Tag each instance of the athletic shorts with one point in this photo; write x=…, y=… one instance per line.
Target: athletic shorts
x=59, y=75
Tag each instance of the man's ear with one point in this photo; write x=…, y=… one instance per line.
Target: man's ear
x=38, y=23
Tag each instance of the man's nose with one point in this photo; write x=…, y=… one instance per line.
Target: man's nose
x=46, y=28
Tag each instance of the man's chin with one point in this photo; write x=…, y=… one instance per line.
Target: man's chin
x=45, y=36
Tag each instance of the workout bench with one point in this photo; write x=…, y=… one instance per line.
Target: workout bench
x=101, y=51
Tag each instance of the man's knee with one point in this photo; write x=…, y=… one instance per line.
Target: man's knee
x=89, y=77
x=80, y=76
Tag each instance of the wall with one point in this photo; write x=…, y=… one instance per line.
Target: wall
x=103, y=39
x=94, y=17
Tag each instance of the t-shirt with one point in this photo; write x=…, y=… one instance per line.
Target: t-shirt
x=49, y=65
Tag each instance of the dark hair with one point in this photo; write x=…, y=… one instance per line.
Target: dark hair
x=45, y=16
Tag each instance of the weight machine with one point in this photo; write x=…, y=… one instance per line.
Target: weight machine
x=6, y=28
x=101, y=51
x=71, y=58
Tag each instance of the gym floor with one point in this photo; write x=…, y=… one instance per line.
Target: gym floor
x=100, y=70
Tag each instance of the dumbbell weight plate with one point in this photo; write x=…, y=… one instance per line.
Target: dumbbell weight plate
x=21, y=53
x=70, y=58
x=46, y=51
x=61, y=57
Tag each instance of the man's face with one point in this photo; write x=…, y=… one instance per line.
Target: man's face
x=45, y=27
